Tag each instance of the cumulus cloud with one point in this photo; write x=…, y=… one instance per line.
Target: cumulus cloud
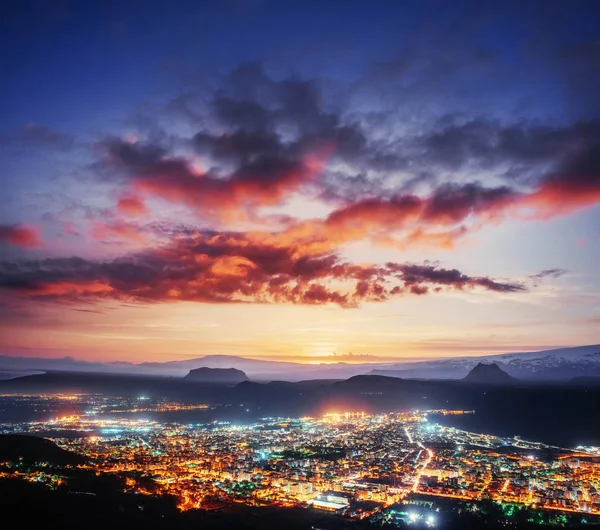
x=20, y=236
x=261, y=141
x=132, y=206
x=262, y=181
x=234, y=268
x=119, y=230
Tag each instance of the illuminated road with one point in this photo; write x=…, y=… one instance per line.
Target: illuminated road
x=420, y=471
x=486, y=484
x=447, y=495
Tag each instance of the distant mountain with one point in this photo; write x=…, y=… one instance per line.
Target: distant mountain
x=32, y=450
x=391, y=373
x=17, y=373
x=488, y=374
x=547, y=365
x=265, y=369
x=257, y=369
x=218, y=376
x=371, y=382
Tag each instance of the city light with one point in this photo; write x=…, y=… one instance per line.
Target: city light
x=329, y=462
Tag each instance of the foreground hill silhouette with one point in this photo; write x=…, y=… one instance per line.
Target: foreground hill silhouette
x=219, y=376
x=29, y=450
x=488, y=374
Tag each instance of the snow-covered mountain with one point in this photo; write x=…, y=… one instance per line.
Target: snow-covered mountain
x=546, y=365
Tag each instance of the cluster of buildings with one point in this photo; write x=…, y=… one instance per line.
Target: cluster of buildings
x=354, y=463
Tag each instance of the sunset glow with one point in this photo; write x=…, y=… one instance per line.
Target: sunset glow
x=360, y=205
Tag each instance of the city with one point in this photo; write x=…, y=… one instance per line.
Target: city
x=355, y=464
x=300, y=265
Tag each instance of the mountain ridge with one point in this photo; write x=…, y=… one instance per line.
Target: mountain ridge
x=560, y=364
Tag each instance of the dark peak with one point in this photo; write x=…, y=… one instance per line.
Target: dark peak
x=370, y=377
x=488, y=373
x=281, y=383
x=217, y=376
x=250, y=384
x=490, y=367
x=371, y=380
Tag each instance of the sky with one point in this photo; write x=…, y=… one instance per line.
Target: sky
x=311, y=181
